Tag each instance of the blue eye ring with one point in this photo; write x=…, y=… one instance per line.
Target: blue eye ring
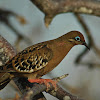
x=77, y=38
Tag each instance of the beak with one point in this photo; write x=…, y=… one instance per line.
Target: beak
x=84, y=43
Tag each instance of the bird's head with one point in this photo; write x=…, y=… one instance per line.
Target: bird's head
x=76, y=38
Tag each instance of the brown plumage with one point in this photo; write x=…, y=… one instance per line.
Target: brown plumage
x=39, y=59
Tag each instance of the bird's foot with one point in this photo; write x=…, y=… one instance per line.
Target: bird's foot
x=46, y=82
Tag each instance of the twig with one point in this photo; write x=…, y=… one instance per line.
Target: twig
x=61, y=77
x=61, y=94
x=53, y=7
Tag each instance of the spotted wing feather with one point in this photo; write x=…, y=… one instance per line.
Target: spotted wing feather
x=30, y=59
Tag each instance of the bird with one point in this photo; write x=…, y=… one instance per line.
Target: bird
x=39, y=59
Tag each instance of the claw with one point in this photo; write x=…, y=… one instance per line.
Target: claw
x=46, y=82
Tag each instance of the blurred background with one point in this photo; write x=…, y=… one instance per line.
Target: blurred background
x=83, y=80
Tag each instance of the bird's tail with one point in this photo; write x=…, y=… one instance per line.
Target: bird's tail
x=4, y=79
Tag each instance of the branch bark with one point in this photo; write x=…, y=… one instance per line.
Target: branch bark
x=53, y=7
x=61, y=94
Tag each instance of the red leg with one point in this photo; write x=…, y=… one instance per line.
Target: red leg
x=45, y=81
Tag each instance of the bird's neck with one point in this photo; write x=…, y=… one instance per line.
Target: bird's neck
x=61, y=48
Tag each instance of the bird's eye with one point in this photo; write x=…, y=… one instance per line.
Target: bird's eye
x=77, y=38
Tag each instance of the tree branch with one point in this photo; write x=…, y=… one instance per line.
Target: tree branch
x=53, y=7
x=61, y=94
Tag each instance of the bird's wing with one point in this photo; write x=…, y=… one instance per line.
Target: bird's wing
x=30, y=60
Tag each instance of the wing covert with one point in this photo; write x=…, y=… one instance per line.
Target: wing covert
x=31, y=59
